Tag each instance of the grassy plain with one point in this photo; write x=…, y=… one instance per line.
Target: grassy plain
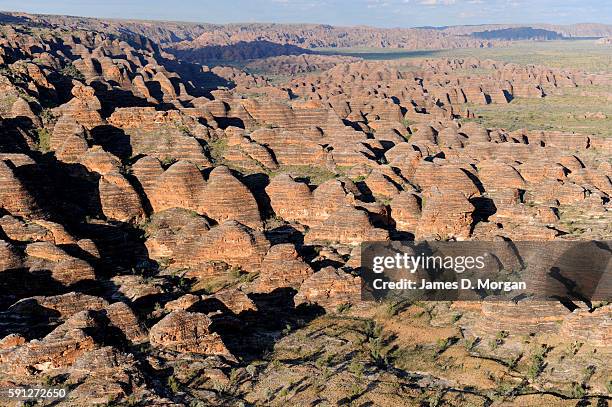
x=575, y=54
x=582, y=110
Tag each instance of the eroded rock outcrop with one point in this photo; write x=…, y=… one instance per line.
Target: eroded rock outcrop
x=187, y=332
x=330, y=288
x=282, y=267
x=14, y=196
x=347, y=225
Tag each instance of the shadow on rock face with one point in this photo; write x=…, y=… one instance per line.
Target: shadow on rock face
x=113, y=98
x=113, y=140
x=253, y=333
x=28, y=318
x=242, y=50
x=14, y=134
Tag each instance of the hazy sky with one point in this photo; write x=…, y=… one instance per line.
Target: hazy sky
x=383, y=13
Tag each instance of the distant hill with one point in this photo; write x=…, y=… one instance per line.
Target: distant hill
x=203, y=42
x=183, y=36
x=571, y=30
x=519, y=33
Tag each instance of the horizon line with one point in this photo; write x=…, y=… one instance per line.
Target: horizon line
x=294, y=23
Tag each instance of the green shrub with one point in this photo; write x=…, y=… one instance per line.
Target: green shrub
x=47, y=116
x=356, y=368
x=395, y=307
x=43, y=140
x=456, y=317
x=72, y=72
x=216, y=149
x=444, y=343
x=578, y=391
x=168, y=161
x=512, y=363
x=174, y=384
x=470, y=343
x=343, y=307
x=406, y=122
x=537, y=362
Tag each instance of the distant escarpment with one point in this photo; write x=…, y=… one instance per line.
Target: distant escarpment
x=239, y=51
x=518, y=33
